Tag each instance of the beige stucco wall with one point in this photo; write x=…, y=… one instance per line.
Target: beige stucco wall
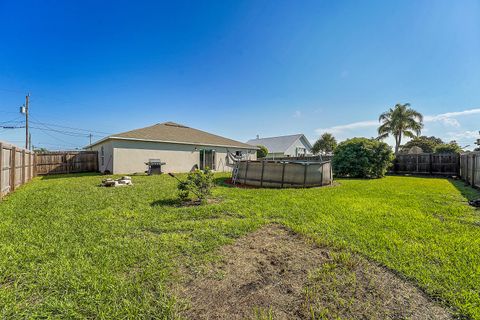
x=130, y=156
x=107, y=163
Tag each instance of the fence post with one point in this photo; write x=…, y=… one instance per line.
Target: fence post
x=34, y=164
x=283, y=174
x=416, y=169
x=331, y=172
x=263, y=169
x=321, y=173
x=1, y=170
x=458, y=163
x=466, y=169
x=430, y=164
x=474, y=164
x=23, y=167
x=305, y=175
x=13, y=168
x=246, y=170
x=30, y=166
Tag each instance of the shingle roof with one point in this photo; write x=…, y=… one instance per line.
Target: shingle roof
x=276, y=144
x=177, y=133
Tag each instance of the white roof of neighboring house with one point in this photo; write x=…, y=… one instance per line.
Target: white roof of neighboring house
x=278, y=144
x=170, y=132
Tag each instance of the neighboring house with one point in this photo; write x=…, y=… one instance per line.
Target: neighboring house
x=181, y=148
x=296, y=145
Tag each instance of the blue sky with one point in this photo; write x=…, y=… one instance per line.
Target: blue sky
x=238, y=68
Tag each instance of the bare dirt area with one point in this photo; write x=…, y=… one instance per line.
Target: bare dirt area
x=276, y=274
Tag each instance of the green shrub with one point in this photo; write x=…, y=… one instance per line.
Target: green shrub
x=262, y=152
x=451, y=147
x=362, y=158
x=199, y=183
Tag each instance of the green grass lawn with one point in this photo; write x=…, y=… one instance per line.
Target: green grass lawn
x=70, y=249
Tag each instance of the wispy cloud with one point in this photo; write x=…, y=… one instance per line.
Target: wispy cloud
x=449, y=118
x=348, y=127
x=297, y=114
x=463, y=135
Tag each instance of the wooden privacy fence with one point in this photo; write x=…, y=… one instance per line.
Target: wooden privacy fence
x=470, y=168
x=427, y=163
x=17, y=166
x=67, y=162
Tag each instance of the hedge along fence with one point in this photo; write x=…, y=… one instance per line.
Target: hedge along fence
x=470, y=168
x=17, y=166
x=284, y=174
x=427, y=163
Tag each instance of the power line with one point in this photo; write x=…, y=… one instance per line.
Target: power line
x=5, y=111
x=12, y=127
x=67, y=133
x=71, y=128
x=13, y=120
x=56, y=138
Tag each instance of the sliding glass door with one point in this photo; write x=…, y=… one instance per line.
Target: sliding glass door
x=207, y=159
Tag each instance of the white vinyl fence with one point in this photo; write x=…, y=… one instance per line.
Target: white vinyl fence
x=17, y=166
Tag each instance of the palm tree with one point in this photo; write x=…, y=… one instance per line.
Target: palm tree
x=399, y=121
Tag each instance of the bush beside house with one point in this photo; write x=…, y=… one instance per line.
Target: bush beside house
x=262, y=152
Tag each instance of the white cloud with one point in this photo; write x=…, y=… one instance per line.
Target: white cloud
x=445, y=118
x=297, y=114
x=463, y=135
x=435, y=124
x=347, y=127
x=448, y=118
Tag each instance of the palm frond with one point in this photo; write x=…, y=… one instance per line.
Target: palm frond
x=383, y=136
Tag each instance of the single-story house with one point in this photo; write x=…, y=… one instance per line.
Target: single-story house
x=181, y=148
x=295, y=145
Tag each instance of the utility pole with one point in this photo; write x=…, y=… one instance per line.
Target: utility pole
x=26, y=122
x=90, y=136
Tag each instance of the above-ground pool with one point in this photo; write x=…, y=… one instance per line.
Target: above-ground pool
x=284, y=173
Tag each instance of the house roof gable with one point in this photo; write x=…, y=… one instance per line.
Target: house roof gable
x=171, y=132
x=279, y=144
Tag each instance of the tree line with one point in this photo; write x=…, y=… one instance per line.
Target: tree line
x=400, y=122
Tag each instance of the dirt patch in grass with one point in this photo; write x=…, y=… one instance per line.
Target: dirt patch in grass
x=276, y=274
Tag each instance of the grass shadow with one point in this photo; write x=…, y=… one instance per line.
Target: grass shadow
x=170, y=202
x=222, y=181
x=466, y=190
x=176, y=202
x=71, y=175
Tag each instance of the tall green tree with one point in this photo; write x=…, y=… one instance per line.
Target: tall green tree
x=428, y=144
x=325, y=144
x=400, y=121
x=451, y=147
